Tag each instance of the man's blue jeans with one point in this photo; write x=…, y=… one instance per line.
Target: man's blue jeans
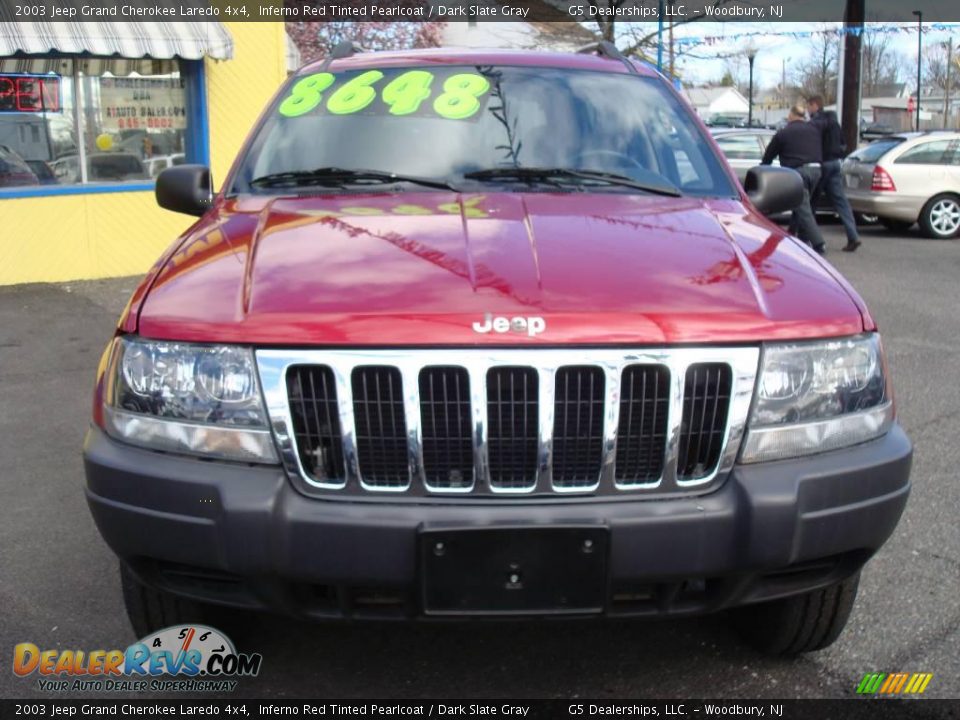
x=831, y=185
x=803, y=221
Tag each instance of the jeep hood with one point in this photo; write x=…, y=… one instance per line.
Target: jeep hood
x=421, y=268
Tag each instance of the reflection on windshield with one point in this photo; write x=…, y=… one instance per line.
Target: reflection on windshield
x=444, y=122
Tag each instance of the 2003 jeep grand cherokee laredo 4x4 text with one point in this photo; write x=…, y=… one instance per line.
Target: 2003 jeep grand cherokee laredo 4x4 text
x=493, y=334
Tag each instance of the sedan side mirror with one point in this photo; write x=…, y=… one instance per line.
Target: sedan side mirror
x=185, y=189
x=774, y=190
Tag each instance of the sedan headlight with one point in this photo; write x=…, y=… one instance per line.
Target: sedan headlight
x=813, y=397
x=196, y=399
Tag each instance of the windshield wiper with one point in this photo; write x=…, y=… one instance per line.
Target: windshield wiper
x=533, y=174
x=340, y=177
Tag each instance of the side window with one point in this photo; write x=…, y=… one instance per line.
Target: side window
x=955, y=153
x=740, y=147
x=928, y=153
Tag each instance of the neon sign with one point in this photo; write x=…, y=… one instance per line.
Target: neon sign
x=29, y=93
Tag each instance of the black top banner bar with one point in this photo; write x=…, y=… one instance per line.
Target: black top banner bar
x=887, y=11
x=853, y=709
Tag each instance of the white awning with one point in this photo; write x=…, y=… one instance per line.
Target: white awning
x=129, y=40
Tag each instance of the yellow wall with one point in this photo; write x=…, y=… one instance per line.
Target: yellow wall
x=238, y=90
x=74, y=237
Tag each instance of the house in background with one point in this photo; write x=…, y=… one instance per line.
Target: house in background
x=711, y=102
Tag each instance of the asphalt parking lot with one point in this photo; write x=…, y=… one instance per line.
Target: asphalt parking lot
x=59, y=586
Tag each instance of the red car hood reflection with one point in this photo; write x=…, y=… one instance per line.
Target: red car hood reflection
x=422, y=268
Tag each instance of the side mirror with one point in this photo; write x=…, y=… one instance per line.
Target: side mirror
x=185, y=189
x=774, y=190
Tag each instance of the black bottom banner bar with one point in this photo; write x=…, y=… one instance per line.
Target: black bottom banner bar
x=855, y=708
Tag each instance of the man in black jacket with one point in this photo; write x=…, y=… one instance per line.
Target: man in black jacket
x=798, y=146
x=831, y=179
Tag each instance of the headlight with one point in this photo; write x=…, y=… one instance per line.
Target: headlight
x=196, y=399
x=813, y=397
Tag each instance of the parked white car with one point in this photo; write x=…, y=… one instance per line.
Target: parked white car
x=908, y=178
x=156, y=165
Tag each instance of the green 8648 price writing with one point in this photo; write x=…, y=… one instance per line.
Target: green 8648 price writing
x=457, y=99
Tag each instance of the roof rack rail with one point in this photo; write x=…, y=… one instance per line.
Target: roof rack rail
x=343, y=49
x=605, y=48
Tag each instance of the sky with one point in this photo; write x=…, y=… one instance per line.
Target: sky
x=776, y=47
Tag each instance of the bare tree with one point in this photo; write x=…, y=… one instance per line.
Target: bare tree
x=315, y=39
x=881, y=63
x=642, y=42
x=817, y=74
x=935, y=68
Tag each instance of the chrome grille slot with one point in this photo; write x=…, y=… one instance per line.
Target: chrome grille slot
x=642, y=430
x=706, y=398
x=316, y=421
x=381, y=427
x=512, y=415
x=493, y=422
x=578, y=426
x=446, y=428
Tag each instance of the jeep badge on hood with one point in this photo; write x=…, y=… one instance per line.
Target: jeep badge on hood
x=532, y=326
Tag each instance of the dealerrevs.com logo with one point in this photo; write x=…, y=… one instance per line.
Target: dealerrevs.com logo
x=894, y=683
x=187, y=658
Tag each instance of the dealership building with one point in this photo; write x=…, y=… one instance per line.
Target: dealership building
x=91, y=112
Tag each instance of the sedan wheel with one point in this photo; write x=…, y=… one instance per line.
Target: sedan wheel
x=940, y=218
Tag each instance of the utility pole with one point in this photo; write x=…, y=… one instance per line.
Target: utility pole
x=854, y=16
x=660, y=11
x=783, y=79
x=670, y=33
x=946, y=92
x=919, y=15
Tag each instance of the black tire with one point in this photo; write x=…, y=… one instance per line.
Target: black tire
x=150, y=609
x=798, y=624
x=940, y=217
x=895, y=225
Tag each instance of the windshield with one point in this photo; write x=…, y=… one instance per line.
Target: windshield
x=444, y=123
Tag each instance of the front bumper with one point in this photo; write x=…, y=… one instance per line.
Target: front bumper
x=242, y=535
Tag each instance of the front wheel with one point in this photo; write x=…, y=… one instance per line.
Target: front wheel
x=798, y=624
x=150, y=610
x=940, y=217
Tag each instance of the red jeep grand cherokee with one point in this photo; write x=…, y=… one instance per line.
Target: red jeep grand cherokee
x=493, y=334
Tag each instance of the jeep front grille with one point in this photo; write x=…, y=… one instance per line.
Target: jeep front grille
x=578, y=426
x=489, y=423
x=705, y=398
x=446, y=428
x=642, y=432
x=381, y=428
x=512, y=435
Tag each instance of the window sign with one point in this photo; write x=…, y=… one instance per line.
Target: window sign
x=141, y=103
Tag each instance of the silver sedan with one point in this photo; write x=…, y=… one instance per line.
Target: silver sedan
x=908, y=178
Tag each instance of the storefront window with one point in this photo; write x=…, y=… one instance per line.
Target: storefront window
x=90, y=121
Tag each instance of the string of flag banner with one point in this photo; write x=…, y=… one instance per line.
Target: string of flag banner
x=830, y=32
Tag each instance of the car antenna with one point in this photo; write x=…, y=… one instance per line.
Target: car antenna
x=605, y=48
x=343, y=49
